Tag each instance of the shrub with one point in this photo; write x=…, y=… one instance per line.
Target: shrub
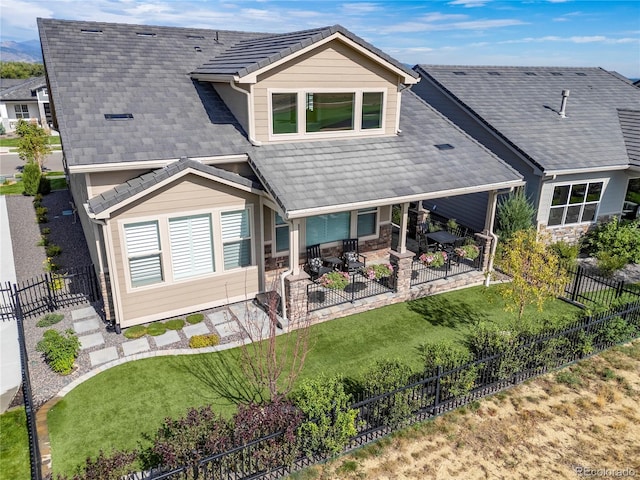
x=49, y=319
x=330, y=423
x=60, y=350
x=44, y=185
x=31, y=178
x=335, y=280
x=46, y=231
x=609, y=263
x=566, y=251
x=449, y=356
x=57, y=282
x=41, y=214
x=49, y=265
x=254, y=421
x=183, y=442
x=155, y=329
x=136, y=331
x=384, y=376
x=43, y=242
x=514, y=212
x=614, y=239
x=615, y=330
x=200, y=341
x=53, y=250
x=113, y=467
x=195, y=318
x=488, y=339
x=175, y=324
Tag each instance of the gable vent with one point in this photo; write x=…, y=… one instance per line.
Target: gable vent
x=118, y=116
x=91, y=30
x=146, y=34
x=444, y=146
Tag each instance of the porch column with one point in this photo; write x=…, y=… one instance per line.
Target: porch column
x=404, y=221
x=402, y=263
x=296, y=295
x=294, y=246
x=423, y=215
x=489, y=238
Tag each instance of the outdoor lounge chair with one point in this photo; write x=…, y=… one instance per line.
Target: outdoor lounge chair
x=353, y=260
x=315, y=263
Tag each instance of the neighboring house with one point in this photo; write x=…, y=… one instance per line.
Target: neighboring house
x=26, y=99
x=203, y=162
x=572, y=132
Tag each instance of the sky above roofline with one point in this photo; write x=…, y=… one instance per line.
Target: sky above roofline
x=463, y=32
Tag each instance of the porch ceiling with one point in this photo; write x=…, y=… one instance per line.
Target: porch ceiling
x=319, y=175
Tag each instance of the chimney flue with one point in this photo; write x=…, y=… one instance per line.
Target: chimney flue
x=563, y=105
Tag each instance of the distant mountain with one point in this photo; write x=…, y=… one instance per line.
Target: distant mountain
x=28, y=51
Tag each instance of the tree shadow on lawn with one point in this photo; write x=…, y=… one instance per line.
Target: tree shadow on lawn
x=443, y=312
x=219, y=373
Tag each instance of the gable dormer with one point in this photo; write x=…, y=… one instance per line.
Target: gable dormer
x=314, y=84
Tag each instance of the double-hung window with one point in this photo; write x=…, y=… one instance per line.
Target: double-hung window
x=282, y=234
x=236, y=238
x=575, y=203
x=367, y=222
x=22, y=111
x=191, y=246
x=317, y=112
x=327, y=228
x=143, y=253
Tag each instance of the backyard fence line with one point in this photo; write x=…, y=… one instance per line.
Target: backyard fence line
x=431, y=394
x=7, y=306
x=585, y=288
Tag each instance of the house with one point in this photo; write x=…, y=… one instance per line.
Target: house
x=204, y=162
x=572, y=132
x=26, y=99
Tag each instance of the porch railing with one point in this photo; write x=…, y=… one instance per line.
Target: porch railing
x=421, y=273
x=360, y=286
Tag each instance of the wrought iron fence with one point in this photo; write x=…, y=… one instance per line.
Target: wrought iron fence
x=7, y=306
x=429, y=395
x=453, y=265
x=360, y=286
x=51, y=291
x=588, y=289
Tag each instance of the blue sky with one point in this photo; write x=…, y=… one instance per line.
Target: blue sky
x=465, y=32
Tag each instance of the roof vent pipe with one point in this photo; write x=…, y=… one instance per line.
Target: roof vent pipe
x=563, y=105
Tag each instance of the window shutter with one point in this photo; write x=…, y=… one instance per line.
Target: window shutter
x=191, y=246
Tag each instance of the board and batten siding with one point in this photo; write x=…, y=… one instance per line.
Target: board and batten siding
x=333, y=65
x=189, y=195
x=469, y=210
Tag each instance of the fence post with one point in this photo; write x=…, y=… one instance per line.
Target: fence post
x=34, y=448
x=576, y=285
x=50, y=296
x=620, y=288
x=436, y=400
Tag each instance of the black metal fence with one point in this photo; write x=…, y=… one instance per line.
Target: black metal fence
x=360, y=286
x=431, y=394
x=454, y=265
x=51, y=291
x=588, y=289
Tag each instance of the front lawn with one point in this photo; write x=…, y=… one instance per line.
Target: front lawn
x=17, y=188
x=115, y=408
x=13, y=141
x=14, y=446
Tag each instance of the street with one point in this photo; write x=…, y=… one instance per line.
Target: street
x=10, y=161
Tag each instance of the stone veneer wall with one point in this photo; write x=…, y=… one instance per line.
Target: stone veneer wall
x=571, y=233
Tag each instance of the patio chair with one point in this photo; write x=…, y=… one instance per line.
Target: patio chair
x=353, y=260
x=315, y=263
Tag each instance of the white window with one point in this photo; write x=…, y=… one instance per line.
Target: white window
x=327, y=228
x=367, y=222
x=282, y=234
x=144, y=253
x=191, y=246
x=22, y=111
x=326, y=112
x=236, y=238
x=575, y=203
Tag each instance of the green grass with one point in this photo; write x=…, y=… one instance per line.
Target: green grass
x=13, y=141
x=14, y=446
x=113, y=409
x=17, y=188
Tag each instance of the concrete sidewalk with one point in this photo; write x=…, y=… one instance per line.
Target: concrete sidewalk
x=10, y=376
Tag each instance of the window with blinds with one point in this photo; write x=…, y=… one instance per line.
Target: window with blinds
x=328, y=228
x=236, y=238
x=191, y=246
x=144, y=253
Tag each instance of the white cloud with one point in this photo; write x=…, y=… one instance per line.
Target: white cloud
x=359, y=8
x=17, y=14
x=470, y=3
x=574, y=39
x=431, y=23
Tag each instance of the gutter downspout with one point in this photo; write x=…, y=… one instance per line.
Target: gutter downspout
x=491, y=215
x=250, y=119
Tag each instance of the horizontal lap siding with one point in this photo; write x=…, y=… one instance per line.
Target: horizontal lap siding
x=333, y=65
x=102, y=182
x=183, y=197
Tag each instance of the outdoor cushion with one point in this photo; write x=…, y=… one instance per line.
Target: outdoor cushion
x=315, y=264
x=351, y=257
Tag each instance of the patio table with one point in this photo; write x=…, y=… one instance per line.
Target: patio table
x=443, y=237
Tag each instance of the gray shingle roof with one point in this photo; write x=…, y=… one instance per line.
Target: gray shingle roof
x=142, y=70
x=522, y=104
x=630, y=124
x=250, y=55
x=334, y=172
x=143, y=182
x=23, y=90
